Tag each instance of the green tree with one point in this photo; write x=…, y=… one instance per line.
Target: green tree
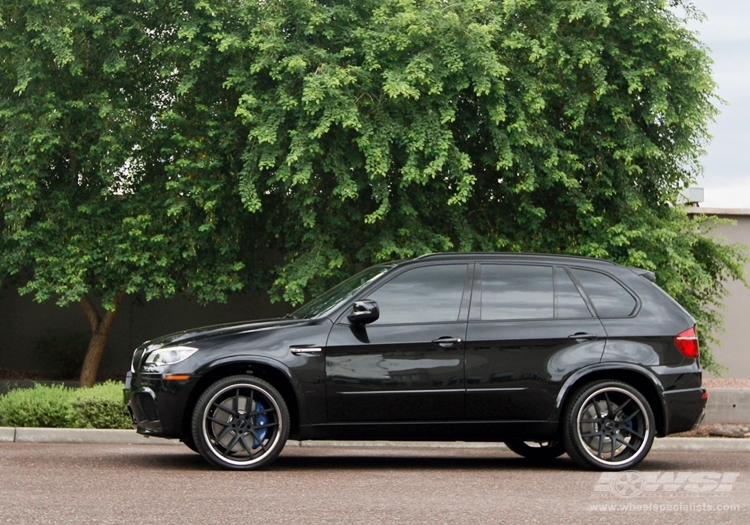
x=352, y=132
x=385, y=129
x=106, y=188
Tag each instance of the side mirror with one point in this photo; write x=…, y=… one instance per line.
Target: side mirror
x=364, y=311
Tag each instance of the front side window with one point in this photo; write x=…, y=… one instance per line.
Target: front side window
x=429, y=294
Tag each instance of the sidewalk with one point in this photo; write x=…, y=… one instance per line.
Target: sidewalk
x=129, y=437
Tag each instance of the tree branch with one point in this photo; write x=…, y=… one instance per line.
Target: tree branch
x=91, y=313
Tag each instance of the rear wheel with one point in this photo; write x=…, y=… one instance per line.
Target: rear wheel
x=537, y=450
x=608, y=425
x=240, y=422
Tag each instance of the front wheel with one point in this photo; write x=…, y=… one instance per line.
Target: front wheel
x=240, y=422
x=537, y=450
x=608, y=425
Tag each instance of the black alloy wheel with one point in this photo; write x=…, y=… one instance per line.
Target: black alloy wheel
x=608, y=425
x=537, y=450
x=240, y=422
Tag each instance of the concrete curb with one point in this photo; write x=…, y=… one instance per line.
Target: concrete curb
x=129, y=437
x=728, y=405
x=702, y=444
x=86, y=435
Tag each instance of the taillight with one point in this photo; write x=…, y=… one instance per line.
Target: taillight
x=687, y=343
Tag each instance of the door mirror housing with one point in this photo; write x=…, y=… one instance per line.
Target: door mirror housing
x=364, y=311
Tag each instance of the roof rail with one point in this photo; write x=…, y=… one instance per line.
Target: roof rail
x=513, y=254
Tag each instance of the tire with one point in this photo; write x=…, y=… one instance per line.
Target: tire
x=540, y=451
x=608, y=425
x=189, y=443
x=230, y=436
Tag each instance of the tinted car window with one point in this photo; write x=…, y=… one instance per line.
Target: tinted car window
x=430, y=294
x=517, y=292
x=569, y=301
x=609, y=298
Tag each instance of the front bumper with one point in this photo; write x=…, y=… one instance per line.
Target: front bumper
x=157, y=406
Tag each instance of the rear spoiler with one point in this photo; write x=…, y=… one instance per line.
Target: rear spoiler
x=646, y=274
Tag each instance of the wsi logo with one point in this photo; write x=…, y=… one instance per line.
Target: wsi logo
x=632, y=483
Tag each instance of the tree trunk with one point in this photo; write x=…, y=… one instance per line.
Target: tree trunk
x=100, y=327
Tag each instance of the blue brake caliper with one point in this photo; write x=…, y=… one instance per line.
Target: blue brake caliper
x=259, y=420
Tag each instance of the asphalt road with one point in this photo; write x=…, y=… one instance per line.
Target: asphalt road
x=148, y=484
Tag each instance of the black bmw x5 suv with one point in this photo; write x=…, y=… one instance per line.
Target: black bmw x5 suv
x=550, y=354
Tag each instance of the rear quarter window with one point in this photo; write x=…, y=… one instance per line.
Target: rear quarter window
x=609, y=298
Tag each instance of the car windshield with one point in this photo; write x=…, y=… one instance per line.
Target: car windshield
x=339, y=293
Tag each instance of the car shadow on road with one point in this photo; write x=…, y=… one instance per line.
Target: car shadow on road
x=363, y=460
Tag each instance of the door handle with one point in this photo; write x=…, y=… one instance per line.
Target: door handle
x=305, y=350
x=582, y=336
x=447, y=341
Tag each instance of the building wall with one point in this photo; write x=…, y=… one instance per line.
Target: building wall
x=733, y=350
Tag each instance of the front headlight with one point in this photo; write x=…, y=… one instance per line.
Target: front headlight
x=169, y=355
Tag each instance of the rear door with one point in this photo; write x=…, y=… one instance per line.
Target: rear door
x=529, y=327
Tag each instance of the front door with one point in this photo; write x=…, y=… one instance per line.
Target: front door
x=409, y=364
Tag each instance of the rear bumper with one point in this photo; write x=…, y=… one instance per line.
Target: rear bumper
x=684, y=409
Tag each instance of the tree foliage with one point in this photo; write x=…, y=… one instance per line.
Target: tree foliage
x=351, y=132
x=105, y=185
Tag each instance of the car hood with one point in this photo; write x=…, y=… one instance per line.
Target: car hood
x=205, y=332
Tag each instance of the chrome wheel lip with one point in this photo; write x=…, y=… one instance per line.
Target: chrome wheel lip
x=646, y=435
x=272, y=443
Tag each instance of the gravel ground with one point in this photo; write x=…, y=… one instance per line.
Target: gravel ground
x=726, y=383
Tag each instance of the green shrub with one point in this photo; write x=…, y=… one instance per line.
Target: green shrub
x=100, y=407
x=60, y=407
x=41, y=406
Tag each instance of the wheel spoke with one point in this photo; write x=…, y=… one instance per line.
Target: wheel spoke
x=258, y=412
x=631, y=416
x=236, y=401
x=227, y=410
x=632, y=432
x=592, y=434
x=257, y=438
x=265, y=425
x=219, y=421
x=247, y=447
x=619, y=409
x=222, y=434
x=596, y=408
x=613, y=442
x=609, y=405
x=618, y=438
x=600, y=449
x=597, y=420
x=232, y=443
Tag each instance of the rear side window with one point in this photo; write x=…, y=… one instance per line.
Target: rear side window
x=608, y=296
x=517, y=292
